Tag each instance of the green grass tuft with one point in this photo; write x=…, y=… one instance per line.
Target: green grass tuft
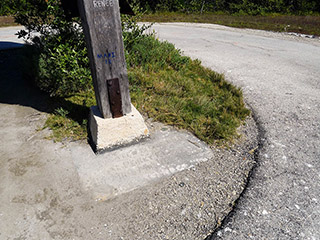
x=178, y=91
x=68, y=119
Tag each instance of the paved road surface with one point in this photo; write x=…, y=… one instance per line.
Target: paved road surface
x=280, y=77
x=8, y=39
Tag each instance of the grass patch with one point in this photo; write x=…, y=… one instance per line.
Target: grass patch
x=279, y=23
x=69, y=116
x=178, y=91
x=6, y=21
x=167, y=87
x=64, y=128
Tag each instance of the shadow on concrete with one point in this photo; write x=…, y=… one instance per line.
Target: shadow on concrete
x=16, y=87
x=10, y=45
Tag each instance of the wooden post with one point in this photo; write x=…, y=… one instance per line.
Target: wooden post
x=103, y=33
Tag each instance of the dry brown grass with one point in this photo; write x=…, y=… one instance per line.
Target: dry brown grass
x=6, y=21
x=299, y=24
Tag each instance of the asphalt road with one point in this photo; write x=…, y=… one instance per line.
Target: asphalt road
x=280, y=78
x=8, y=39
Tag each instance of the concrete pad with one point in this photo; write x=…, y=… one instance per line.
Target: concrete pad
x=114, y=132
x=166, y=152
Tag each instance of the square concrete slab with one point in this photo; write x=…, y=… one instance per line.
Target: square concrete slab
x=165, y=153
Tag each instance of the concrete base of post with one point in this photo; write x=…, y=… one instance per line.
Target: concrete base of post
x=110, y=133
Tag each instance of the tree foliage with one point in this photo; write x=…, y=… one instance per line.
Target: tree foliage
x=252, y=7
x=10, y=7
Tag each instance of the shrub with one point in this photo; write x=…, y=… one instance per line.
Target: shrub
x=62, y=64
x=248, y=7
x=10, y=7
x=132, y=32
x=64, y=70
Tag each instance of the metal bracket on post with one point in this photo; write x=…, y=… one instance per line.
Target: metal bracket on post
x=115, y=101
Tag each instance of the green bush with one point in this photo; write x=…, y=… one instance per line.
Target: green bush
x=62, y=63
x=247, y=7
x=61, y=57
x=11, y=7
x=64, y=70
x=132, y=32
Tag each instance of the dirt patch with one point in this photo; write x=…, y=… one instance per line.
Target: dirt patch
x=6, y=21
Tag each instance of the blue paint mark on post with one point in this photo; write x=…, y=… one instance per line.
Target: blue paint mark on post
x=108, y=58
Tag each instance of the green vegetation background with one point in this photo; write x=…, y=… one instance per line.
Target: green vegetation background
x=164, y=85
x=250, y=7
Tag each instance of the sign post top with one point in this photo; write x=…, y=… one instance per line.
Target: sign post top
x=71, y=9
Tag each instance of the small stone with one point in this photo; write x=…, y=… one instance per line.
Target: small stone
x=309, y=165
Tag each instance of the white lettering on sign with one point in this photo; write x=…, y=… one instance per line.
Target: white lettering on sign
x=102, y=3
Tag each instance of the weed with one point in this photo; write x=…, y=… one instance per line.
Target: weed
x=69, y=117
x=61, y=112
x=65, y=128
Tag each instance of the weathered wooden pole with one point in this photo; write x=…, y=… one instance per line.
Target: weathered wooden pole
x=103, y=33
x=115, y=122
